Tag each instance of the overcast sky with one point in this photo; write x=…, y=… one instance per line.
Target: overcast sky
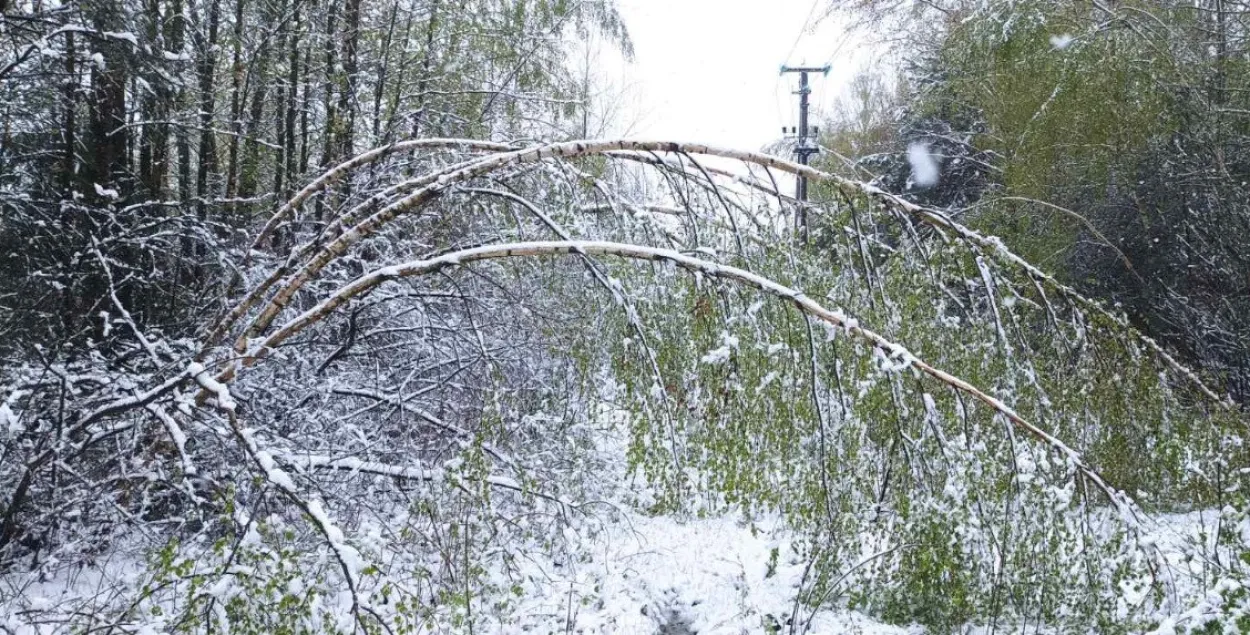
x=708, y=70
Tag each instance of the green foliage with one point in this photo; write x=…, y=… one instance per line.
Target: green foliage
x=256, y=583
x=1068, y=124
x=936, y=581
x=917, y=502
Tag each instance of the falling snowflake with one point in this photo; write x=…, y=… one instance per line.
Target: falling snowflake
x=924, y=166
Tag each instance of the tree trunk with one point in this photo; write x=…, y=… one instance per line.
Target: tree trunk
x=68, y=131
x=107, y=133
x=330, y=105
x=347, y=94
x=250, y=162
x=427, y=65
x=207, y=171
x=154, y=139
x=379, y=87
x=236, y=102
x=286, y=165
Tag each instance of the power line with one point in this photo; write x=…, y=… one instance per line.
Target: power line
x=799, y=36
x=846, y=37
x=781, y=118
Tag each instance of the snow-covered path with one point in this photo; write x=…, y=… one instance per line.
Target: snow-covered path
x=715, y=576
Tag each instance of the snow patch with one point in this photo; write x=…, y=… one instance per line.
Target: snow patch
x=273, y=472
x=721, y=354
x=105, y=192
x=9, y=420
x=121, y=35
x=207, y=382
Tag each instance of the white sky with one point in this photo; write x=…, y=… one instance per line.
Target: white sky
x=708, y=70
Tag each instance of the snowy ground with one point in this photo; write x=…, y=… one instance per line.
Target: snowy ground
x=664, y=576
x=641, y=575
x=623, y=572
x=646, y=576
x=629, y=573
x=713, y=576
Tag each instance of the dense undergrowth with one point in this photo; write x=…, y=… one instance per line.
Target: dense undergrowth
x=373, y=437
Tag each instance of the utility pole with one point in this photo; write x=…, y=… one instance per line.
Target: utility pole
x=806, y=146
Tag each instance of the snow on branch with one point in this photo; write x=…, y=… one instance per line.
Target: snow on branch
x=355, y=465
x=440, y=181
x=336, y=173
x=803, y=303
x=348, y=558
